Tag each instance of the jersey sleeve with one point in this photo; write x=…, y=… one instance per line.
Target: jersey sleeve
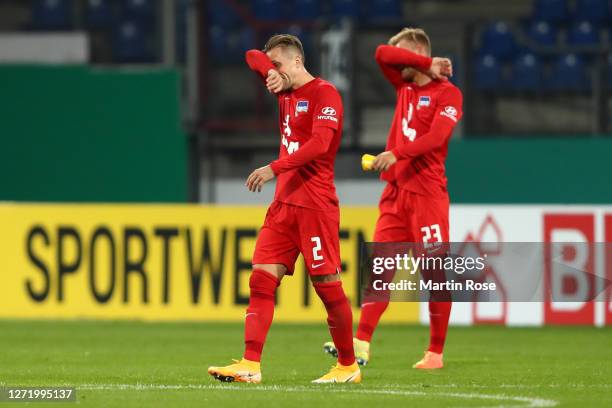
x=447, y=115
x=315, y=147
x=328, y=109
x=259, y=62
x=392, y=60
x=450, y=105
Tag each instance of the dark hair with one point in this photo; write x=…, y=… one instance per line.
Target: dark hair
x=285, y=41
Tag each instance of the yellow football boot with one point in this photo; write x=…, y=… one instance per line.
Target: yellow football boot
x=341, y=374
x=241, y=371
x=430, y=361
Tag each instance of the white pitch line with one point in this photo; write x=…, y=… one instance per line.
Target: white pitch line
x=518, y=386
x=526, y=401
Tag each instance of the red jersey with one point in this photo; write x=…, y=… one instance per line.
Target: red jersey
x=310, y=120
x=422, y=125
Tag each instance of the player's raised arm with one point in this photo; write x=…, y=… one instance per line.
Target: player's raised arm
x=259, y=62
x=392, y=72
x=393, y=60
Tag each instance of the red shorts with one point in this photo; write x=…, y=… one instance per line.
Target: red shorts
x=408, y=217
x=405, y=216
x=289, y=230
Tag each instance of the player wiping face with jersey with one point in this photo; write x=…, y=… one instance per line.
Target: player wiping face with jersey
x=304, y=216
x=414, y=204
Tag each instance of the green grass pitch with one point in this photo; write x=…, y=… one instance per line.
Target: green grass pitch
x=127, y=364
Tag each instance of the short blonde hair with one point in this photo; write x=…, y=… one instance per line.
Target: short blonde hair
x=285, y=41
x=417, y=35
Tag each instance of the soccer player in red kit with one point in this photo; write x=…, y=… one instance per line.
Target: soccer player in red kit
x=414, y=204
x=304, y=216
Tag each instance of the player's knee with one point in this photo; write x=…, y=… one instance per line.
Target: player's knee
x=276, y=270
x=262, y=281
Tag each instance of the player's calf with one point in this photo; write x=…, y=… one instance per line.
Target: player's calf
x=339, y=318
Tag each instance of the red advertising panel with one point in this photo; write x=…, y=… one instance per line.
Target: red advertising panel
x=573, y=235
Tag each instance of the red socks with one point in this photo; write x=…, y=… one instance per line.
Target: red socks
x=439, y=313
x=370, y=315
x=339, y=319
x=259, y=313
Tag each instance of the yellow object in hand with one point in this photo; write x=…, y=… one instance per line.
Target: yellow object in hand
x=366, y=161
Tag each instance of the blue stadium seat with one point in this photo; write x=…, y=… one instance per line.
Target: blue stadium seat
x=247, y=41
x=142, y=11
x=51, y=14
x=345, y=9
x=569, y=73
x=553, y=11
x=583, y=33
x=217, y=39
x=220, y=14
x=595, y=11
x=306, y=9
x=99, y=14
x=304, y=36
x=487, y=73
x=229, y=45
x=526, y=73
x=542, y=33
x=236, y=43
x=130, y=43
x=267, y=10
x=497, y=39
x=384, y=10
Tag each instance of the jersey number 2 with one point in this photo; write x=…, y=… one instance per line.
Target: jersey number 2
x=316, y=250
